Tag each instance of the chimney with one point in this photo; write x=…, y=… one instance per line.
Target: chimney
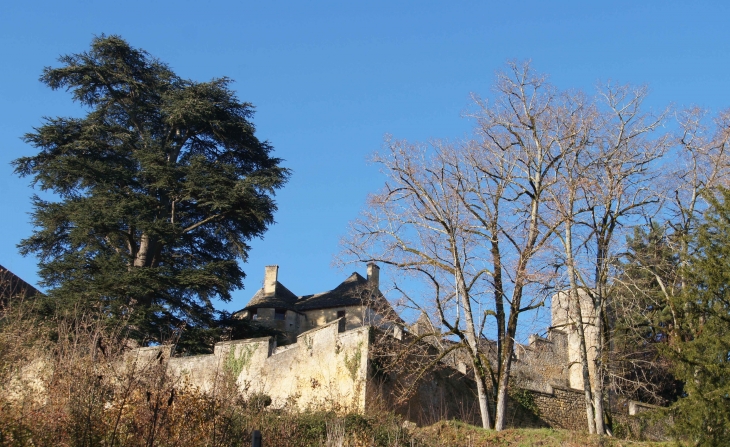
x=270, y=277
x=373, y=274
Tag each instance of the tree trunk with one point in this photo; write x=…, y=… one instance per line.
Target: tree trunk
x=482, y=395
x=503, y=384
x=498, y=296
x=590, y=414
x=574, y=301
x=473, y=340
x=509, y=338
x=598, y=369
x=502, y=388
x=148, y=253
x=140, y=258
x=603, y=241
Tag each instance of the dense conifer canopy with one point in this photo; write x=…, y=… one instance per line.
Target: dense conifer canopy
x=702, y=356
x=159, y=188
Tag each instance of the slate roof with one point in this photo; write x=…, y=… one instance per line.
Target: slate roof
x=12, y=285
x=353, y=291
x=349, y=293
x=282, y=298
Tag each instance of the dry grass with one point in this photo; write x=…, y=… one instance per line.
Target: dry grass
x=456, y=434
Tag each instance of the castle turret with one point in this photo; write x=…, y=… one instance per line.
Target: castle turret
x=565, y=318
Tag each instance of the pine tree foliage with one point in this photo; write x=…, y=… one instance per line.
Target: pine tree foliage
x=159, y=188
x=641, y=316
x=702, y=357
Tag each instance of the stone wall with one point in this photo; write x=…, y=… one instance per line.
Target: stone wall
x=442, y=394
x=422, y=396
x=564, y=408
x=294, y=323
x=540, y=390
x=355, y=316
x=331, y=367
x=543, y=363
x=558, y=407
x=326, y=367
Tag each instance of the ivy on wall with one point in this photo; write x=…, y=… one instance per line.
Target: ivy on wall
x=353, y=363
x=235, y=364
x=526, y=399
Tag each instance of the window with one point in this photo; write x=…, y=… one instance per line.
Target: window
x=253, y=314
x=280, y=314
x=340, y=314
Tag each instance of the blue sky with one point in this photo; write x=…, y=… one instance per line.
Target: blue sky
x=330, y=79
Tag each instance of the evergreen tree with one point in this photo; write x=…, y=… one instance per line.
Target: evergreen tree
x=702, y=357
x=641, y=317
x=159, y=188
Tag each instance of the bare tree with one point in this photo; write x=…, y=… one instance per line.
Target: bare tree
x=419, y=224
x=566, y=200
x=704, y=164
x=702, y=153
x=522, y=132
x=472, y=219
x=619, y=188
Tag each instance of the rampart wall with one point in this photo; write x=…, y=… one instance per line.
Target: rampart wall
x=327, y=367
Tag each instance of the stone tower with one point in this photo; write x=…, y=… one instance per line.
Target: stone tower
x=565, y=318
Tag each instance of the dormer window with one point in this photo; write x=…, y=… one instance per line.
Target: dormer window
x=279, y=314
x=253, y=314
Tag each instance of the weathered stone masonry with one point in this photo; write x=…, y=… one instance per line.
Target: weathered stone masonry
x=327, y=367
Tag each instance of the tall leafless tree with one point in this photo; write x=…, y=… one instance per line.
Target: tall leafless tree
x=472, y=218
x=523, y=132
x=567, y=203
x=619, y=189
x=419, y=224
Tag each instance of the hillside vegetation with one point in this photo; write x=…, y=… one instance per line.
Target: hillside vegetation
x=450, y=433
x=65, y=381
